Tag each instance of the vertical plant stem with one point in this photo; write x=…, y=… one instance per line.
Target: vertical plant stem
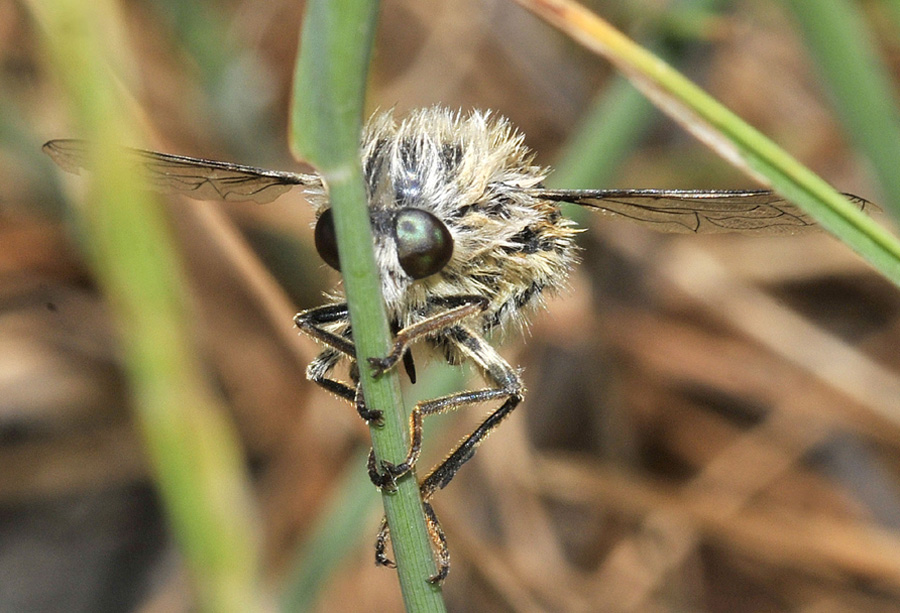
x=192, y=448
x=341, y=525
x=329, y=89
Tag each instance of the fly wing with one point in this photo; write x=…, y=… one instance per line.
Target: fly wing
x=757, y=212
x=193, y=177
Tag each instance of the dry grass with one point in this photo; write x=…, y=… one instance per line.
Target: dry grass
x=697, y=436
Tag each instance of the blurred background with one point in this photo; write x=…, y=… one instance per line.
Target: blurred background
x=712, y=423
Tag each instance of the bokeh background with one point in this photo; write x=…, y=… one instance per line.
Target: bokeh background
x=711, y=422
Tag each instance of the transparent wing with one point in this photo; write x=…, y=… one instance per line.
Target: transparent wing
x=759, y=212
x=194, y=177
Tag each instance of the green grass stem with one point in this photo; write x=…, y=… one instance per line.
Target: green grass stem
x=191, y=445
x=860, y=85
x=329, y=91
x=732, y=138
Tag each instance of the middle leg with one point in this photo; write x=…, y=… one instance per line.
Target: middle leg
x=509, y=386
x=495, y=370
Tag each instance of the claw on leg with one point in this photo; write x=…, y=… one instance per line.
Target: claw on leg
x=370, y=416
x=386, y=478
x=381, y=365
x=384, y=535
x=438, y=541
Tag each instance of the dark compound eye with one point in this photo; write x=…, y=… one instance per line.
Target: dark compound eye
x=326, y=241
x=424, y=245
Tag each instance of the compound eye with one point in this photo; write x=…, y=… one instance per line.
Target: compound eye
x=424, y=244
x=326, y=240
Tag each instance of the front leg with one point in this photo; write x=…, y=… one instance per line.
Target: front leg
x=458, y=308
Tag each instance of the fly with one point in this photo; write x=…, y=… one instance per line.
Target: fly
x=467, y=241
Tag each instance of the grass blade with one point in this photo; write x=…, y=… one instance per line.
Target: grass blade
x=736, y=141
x=329, y=89
x=860, y=86
x=191, y=446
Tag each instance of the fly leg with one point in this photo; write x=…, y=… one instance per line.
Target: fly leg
x=497, y=371
x=312, y=322
x=456, y=309
x=438, y=540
